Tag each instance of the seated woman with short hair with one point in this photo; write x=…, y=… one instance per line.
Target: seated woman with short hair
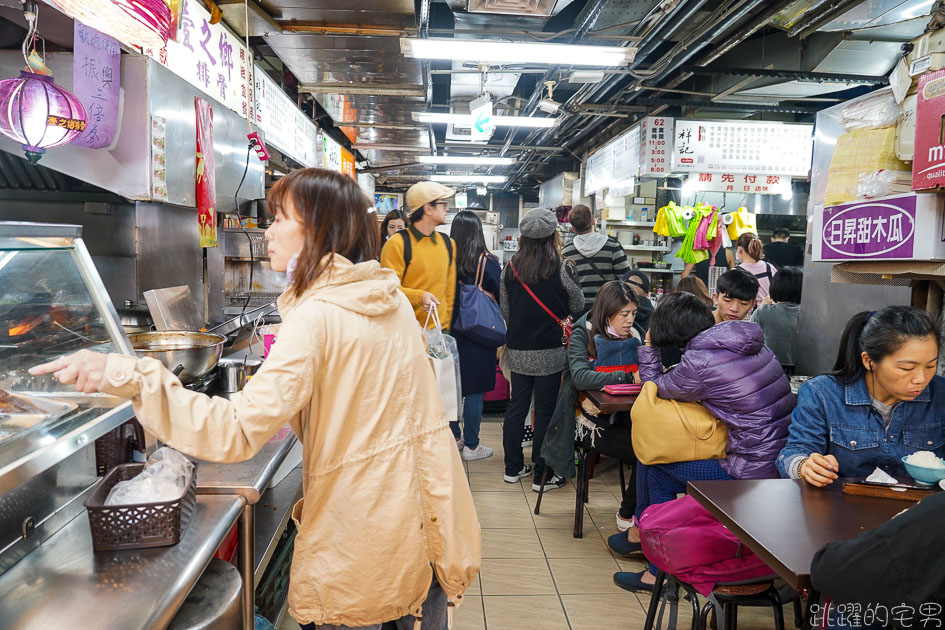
x=728, y=369
x=883, y=401
x=602, y=351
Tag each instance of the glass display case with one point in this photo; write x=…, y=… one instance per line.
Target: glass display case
x=52, y=303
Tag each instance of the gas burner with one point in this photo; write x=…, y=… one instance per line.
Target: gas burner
x=205, y=384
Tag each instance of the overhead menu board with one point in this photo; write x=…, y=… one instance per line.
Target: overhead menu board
x=287, y=128
x=210, y=58
x=599, y=170
x=766, y=148
x=336, y=158
x=656, y=150
x=644, y=150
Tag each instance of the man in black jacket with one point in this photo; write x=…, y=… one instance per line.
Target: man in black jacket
x=892, y=576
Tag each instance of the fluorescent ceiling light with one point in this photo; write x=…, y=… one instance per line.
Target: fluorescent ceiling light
x=586, y=76
x=489, y=51
x=479, y=161
x=471, y=178
x=465, y=120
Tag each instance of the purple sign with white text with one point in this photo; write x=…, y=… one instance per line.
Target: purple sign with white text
x=96, y=72
x=870, y=229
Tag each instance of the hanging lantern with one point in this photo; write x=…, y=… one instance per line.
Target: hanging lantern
x=39, y=114
x=143, y=23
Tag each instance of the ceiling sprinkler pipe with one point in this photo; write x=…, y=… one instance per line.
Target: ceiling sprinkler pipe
x=744, y=32
x=828, y=17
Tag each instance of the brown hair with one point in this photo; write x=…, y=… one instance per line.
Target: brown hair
x=612, y=297
x=334, y=215
x=537, y=259
x=695, y=285
x=750, y=242
x=581, y=218
x=393, y=215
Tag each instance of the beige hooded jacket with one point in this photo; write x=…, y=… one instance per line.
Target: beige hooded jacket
x=386, y=499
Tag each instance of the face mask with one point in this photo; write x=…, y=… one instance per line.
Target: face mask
x=290, y=268
x=613, y=332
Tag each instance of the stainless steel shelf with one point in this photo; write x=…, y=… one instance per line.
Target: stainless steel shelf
x=248, y=479
x=272, y=516
x=647, y=248
x=120, y=590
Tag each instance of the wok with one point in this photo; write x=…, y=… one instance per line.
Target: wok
x=194, y=353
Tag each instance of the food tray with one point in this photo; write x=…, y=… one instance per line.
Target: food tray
x=46, y=409
x=137, y=525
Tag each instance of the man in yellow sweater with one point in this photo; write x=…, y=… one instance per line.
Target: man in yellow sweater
x=423, y=259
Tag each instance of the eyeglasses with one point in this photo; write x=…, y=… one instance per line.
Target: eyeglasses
x=638, y=285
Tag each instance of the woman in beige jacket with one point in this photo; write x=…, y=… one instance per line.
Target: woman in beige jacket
x=387, y=510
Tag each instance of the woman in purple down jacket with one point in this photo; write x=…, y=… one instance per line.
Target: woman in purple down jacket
x=737, y=378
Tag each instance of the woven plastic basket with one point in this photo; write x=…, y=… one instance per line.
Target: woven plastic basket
x=140, y=525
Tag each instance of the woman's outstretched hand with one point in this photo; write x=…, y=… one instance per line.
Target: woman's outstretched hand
x=84, y=369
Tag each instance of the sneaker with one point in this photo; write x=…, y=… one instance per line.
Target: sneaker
x=460, y=444
x=550, y=484
x=621, y=545
x=529, y=435
x=480, y=452
x=514, y=478
x=623, y=524
x=632, y=581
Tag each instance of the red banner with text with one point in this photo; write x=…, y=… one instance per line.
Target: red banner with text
x=206, y=177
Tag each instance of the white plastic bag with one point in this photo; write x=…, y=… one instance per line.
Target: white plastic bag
x=166, y=476
x=444, y=355
x=883, y=183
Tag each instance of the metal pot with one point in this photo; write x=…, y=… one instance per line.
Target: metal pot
x=191, y=355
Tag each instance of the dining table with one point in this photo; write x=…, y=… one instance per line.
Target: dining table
x=786, y=521
x=609, y=403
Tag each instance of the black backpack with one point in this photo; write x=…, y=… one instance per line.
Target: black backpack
x=408, y=250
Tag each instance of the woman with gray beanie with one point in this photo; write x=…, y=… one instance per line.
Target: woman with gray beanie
x=540, y=291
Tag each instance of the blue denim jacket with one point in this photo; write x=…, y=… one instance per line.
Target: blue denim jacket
x=831, y=418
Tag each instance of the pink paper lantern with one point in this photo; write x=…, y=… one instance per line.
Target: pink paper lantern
x=39, y=114
x=144, y=23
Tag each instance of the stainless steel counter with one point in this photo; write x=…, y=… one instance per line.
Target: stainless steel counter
x=248, y=479
x=64, y=583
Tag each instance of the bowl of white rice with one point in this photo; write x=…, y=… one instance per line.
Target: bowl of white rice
x=925, y=467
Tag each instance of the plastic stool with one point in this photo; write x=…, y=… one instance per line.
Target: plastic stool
x=214, y=602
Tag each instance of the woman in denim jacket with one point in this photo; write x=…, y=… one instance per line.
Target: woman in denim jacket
x=883, y=401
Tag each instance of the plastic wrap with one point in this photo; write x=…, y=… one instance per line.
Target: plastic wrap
x=877, y=111
x=165, y=477
x=883, y=183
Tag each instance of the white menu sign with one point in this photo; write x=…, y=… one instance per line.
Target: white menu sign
x=210, y=58
x=656, y=146
x=599, y=170
x=616, y=165
x=287, y=127
x=766, y=148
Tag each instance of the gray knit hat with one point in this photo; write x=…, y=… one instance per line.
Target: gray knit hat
x=538, y=223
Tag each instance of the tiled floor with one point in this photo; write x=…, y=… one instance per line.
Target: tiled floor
x=535, y=575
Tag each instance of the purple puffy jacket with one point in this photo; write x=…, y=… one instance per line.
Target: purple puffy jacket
x=729, y=369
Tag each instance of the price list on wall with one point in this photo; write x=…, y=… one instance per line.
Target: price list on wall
x=286, y=126
x=656, y=137
x=742, y=146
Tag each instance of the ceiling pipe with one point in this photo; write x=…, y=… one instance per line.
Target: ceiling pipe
x=828, y=17
x=790, y=75
x=750, y=28
x=591, y=92
x=675, y=19
x=617, y=80
x=733, y=107
x=814, y=15
x=584, y=23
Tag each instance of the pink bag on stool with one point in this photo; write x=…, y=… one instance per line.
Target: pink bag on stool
x=685, y=541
